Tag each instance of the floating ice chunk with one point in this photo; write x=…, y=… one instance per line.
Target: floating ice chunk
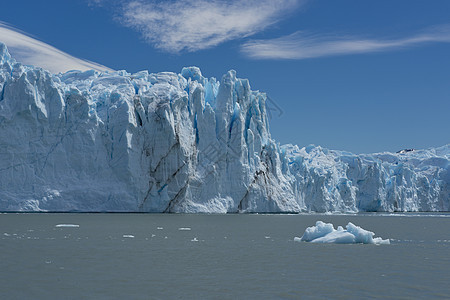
x=361, y=235
x=68, y=225
x=184, y=229
x=380, y=241
x=314, y=232
x=336, y=237
x=128, y=236
x=325, y=233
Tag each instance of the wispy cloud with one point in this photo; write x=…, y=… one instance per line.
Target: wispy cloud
x=191, y=25
x=31, y=51
x=302, y=45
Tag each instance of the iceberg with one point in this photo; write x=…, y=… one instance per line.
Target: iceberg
x=167, y=142
x=325, y=233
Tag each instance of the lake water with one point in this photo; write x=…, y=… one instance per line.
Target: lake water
x=160, y=256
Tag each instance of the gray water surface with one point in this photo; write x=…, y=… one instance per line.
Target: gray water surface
x=148, y=256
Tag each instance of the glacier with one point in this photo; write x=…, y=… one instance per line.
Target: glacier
x=167, y=142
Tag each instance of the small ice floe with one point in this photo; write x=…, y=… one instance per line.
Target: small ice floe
x=194, y=240
x=130, y=236
x=68, y=225
x=184, y=229
x=325, y=233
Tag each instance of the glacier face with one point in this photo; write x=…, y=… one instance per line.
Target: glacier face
x=329, y=180
x=166, y=142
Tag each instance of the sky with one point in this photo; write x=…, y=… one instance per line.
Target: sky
x=355, y=75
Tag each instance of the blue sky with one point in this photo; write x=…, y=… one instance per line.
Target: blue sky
x=362, y=76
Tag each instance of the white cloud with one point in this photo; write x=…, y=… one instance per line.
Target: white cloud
x=301, y=45
x=31, y=51
x=192, y=25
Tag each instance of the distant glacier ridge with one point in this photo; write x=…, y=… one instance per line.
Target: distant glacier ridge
x=166, y=142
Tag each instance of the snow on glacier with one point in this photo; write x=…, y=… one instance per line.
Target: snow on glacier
x=166, y=142
x=325, y=233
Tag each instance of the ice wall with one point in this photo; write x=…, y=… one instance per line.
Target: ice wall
x=166, y=142
x=327, y=180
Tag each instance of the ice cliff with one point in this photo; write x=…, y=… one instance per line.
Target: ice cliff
x=166, y=142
